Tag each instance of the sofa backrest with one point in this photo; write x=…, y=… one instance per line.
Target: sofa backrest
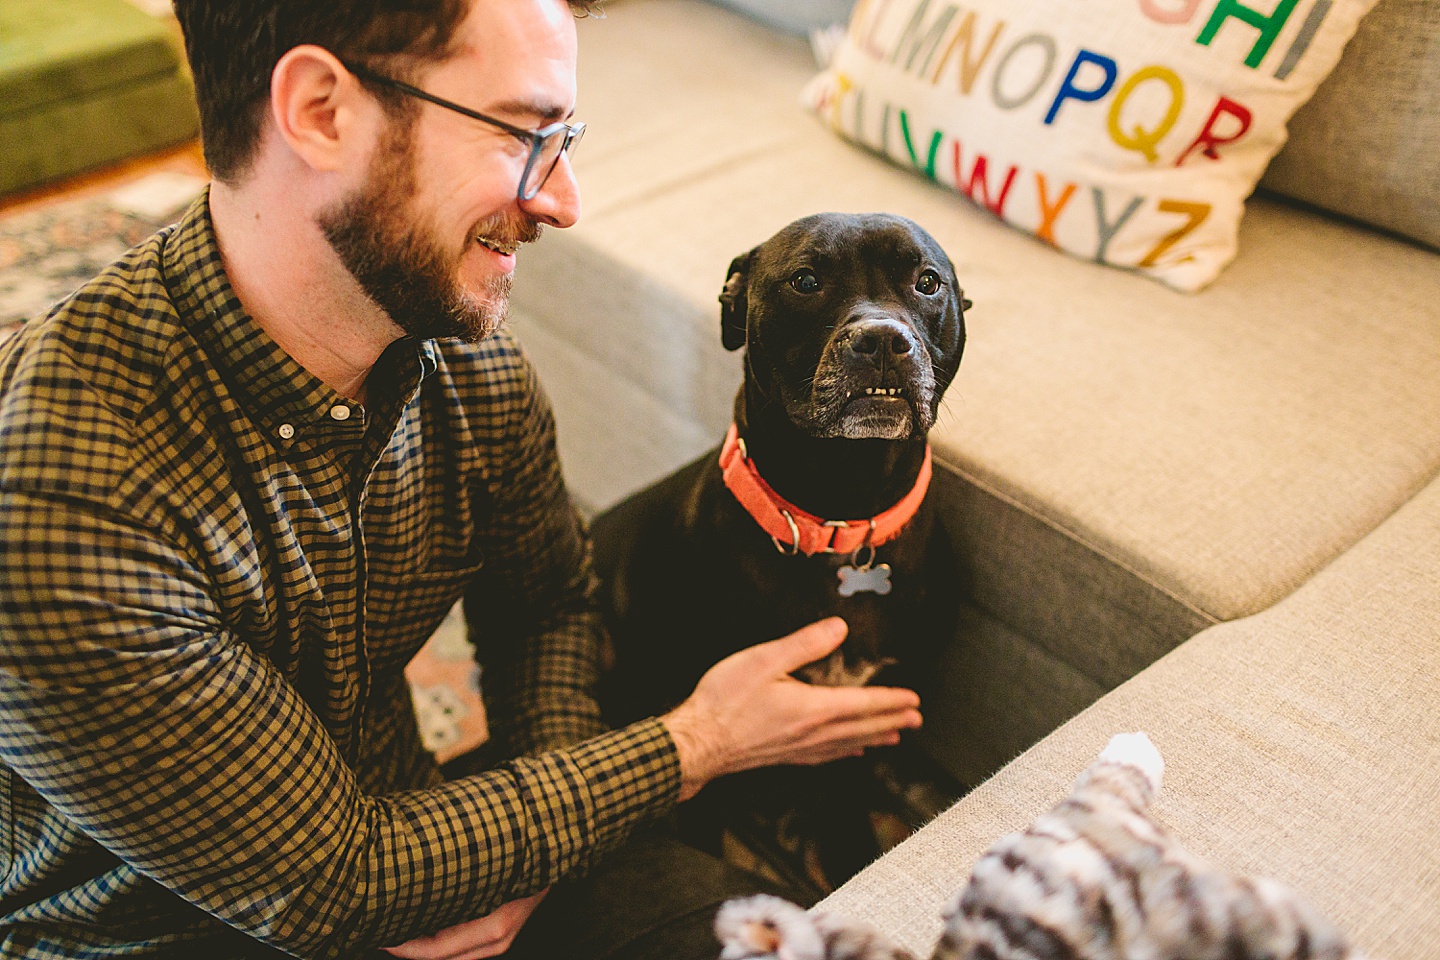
x=1367, y=145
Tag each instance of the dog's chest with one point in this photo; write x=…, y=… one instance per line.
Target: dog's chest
x=759, y=590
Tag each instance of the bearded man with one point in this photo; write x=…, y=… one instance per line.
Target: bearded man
x=245, y=472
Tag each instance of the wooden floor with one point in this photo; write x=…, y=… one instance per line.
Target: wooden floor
x=185, y=158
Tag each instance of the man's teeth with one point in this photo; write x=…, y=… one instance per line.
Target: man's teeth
x=881, y=391
x=497, y=246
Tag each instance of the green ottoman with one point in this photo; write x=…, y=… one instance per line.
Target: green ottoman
x=83, y=83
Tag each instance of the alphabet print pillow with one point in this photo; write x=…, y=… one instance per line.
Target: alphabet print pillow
x=1128, y=132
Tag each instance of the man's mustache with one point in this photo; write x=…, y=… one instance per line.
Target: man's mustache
x=506, y=230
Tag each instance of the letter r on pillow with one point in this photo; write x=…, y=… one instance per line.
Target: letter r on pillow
x=1209, y=139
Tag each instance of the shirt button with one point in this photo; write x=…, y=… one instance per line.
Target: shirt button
x=339, y=412
x=286, y=431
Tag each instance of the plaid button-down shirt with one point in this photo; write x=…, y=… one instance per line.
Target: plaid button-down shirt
x=213, y=569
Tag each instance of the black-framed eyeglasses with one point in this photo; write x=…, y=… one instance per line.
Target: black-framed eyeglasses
x=546, y=145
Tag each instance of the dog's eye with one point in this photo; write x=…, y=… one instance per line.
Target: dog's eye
x=805, y=281
x=929, y=283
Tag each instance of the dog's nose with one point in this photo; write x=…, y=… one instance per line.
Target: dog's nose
x=876, y=339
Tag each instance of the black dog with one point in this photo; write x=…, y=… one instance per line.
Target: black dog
x=853, y=327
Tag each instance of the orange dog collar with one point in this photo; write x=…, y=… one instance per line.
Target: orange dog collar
x=796, y=531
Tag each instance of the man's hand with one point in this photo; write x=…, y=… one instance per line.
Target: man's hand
x=747, y=711
x=489, y=936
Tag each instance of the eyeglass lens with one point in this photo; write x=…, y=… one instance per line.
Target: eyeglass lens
x=548, y=157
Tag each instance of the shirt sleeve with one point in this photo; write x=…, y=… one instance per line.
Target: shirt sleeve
x=134, y=712
x=533, y=614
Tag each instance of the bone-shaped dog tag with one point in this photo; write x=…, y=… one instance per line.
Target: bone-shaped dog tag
x=855, y=580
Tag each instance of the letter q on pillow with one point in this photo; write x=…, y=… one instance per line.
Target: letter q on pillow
x=1128, y=132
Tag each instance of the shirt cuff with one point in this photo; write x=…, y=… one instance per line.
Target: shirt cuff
x=633, y=774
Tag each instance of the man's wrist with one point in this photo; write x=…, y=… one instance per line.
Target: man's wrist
x=699, y=755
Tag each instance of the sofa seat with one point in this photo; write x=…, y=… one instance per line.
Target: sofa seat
x=1121, y=465
x=1302, y=743
x=85, y=82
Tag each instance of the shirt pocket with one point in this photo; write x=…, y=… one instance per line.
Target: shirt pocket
x=405, y=613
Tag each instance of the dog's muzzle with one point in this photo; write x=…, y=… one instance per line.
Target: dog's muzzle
x=881, y=376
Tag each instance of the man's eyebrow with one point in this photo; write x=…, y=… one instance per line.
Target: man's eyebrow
x=547, y=112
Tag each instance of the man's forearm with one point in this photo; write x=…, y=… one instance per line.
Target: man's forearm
x=543, y=698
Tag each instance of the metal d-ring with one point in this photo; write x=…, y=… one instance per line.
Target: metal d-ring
x=867, y=545
x=794, y=536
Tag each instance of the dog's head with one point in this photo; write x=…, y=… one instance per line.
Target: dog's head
x=854, y=323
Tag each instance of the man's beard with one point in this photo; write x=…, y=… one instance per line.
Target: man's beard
x=404, y=268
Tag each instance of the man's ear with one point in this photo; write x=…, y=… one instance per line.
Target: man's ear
x=733, y=302
x=318, y=107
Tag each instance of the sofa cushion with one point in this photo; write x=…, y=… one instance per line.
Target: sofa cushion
x=51, y=51
x=1368, y=144
x=83, y=83
x=1130, y=134
x=798, y=17
x=1301, y=744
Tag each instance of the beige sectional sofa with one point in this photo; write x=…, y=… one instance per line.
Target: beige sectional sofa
x=1216, y=514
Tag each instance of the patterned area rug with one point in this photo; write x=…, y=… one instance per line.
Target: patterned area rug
x=46, y=254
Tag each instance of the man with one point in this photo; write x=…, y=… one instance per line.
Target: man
x=245, y=472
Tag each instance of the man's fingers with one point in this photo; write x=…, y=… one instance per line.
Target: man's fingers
x=477, y=943
x=487, y=936
x=806, y=645
x=848, y=748
x=846, y=703
x=849, y=737
x=880, y=725
x=495, y=949
x=480, y=938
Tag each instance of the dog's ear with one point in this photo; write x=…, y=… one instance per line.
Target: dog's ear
x=733, y=303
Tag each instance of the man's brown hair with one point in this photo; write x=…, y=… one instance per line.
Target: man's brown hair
x=233, y=46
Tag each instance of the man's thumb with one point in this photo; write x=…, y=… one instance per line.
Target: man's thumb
x=808, y=644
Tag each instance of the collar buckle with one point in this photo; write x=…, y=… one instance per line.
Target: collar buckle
x=794, y=546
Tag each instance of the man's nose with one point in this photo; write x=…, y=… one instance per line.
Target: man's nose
x=558, y=202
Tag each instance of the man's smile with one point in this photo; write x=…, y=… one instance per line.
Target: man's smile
x=505, y=248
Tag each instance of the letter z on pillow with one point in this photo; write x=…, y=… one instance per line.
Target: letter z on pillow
x=1129, y=132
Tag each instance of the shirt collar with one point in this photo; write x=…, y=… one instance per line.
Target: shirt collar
x=273, y=388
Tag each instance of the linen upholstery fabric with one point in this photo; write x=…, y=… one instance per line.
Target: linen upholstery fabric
x=1367, y=145
x=85, y=82
x=1301, y=744
x=794, y=16
x=1130, y=133
x=210, y=581
x=1119, y=465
